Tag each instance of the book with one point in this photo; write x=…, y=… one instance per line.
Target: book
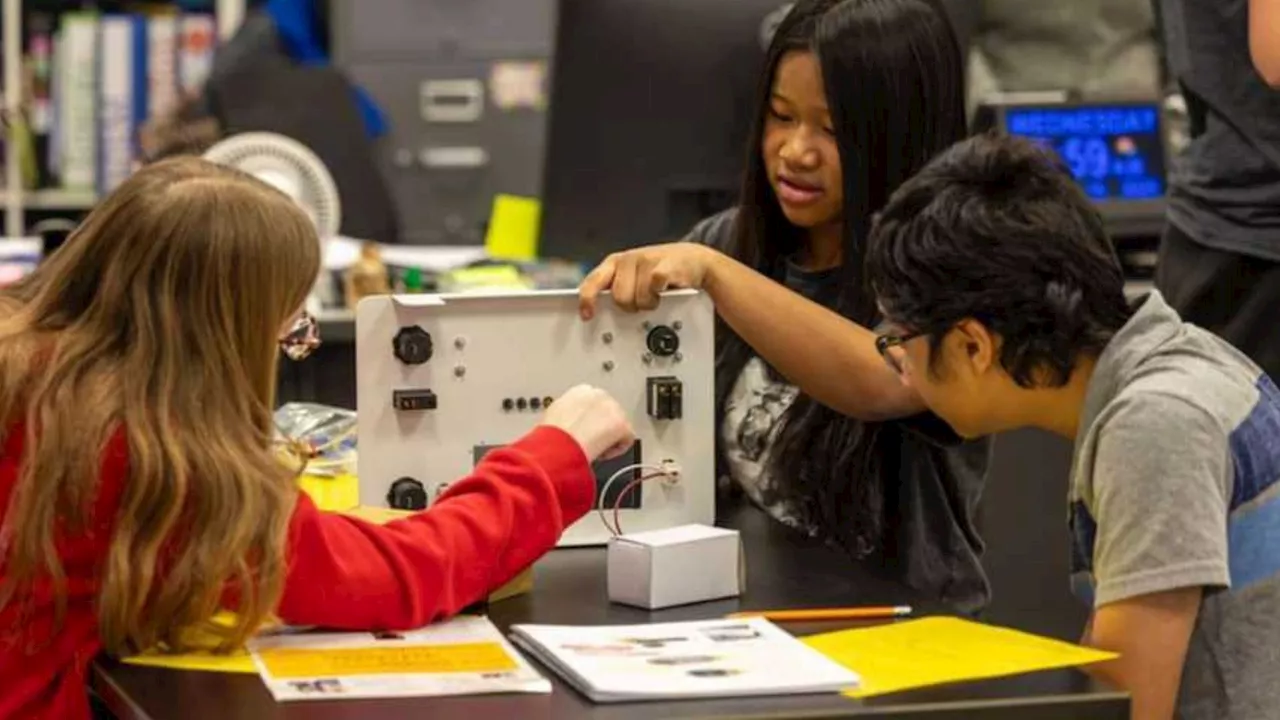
x=77, y=100
x=669, y=661
x=162, y=64
x=464, y=656
x=122, y=96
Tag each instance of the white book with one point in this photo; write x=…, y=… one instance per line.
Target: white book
x=162, y=64
x=706, y=659
x=78, y=100
x=121, y=101
x=465, y=656
x=197, y=36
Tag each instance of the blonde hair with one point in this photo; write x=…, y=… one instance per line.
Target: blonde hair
x=159, y=318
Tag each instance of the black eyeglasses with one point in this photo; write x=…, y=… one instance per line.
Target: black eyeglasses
x=303, y=338
x=885, y=343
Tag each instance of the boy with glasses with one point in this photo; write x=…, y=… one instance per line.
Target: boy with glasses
x=1005, y=306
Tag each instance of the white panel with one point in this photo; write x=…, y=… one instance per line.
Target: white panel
x=487, y=348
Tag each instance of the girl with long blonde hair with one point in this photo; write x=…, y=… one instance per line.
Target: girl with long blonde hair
x=140, y=492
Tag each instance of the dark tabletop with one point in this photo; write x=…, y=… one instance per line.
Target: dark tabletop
x=783, y=571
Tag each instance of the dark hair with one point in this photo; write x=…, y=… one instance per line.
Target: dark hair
x=894, y=79
x=996, y=229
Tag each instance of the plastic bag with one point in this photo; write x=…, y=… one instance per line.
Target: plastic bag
x=325, y=435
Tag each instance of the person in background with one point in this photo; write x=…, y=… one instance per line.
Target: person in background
x=1006, y=308
x=1107, y=48
x=856, y=97
x=1219, y=261
x=140, y=491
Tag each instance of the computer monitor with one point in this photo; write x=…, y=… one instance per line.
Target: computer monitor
x=651, y=104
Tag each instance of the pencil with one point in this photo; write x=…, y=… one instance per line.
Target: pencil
x=827, y=614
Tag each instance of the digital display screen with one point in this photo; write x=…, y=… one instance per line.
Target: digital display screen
x=1115, y=152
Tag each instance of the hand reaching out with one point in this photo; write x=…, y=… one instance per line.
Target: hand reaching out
x=636, y=277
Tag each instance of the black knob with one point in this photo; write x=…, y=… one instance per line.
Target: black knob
x=412, y=345
x=663, y=341
x=407, y=494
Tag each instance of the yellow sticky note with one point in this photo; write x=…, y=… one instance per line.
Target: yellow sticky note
x=934, y=651
x=287, y=663
x=332, y=494
x=513, y=228
x=499, y=278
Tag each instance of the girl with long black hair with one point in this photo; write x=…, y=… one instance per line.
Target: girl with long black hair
x=857, y=96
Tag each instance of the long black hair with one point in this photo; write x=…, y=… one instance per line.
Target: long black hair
x=894, y=80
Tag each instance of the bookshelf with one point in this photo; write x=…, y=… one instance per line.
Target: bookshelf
x=14, y=199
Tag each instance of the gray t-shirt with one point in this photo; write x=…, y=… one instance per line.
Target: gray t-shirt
x=1176, y=484
x=1224, y=192
x=940, y=479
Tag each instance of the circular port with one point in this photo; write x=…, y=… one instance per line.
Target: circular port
x=521, y=404
x=412, y=345
x=407, y=494
x=546, y=401
x=508, y=404
x=662, y=341
x=535, y=403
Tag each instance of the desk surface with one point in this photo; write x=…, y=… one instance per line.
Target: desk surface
x=783, y=570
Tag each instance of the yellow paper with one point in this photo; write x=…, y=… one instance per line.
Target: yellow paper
x=933, y=651
x=513, y=228
x=287, y=663
x=376, y=515
x=237, y=662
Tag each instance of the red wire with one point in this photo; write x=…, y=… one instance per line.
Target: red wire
x=617, y=503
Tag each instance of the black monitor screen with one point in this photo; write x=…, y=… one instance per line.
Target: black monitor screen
x=1116, y=152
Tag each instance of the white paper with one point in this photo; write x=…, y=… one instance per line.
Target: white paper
x=342, y=252
x=721, y=658
x=394, y=655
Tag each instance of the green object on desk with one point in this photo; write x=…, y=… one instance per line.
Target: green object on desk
x=413, y=280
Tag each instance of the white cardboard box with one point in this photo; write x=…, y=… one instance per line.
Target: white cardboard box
x=677, y=566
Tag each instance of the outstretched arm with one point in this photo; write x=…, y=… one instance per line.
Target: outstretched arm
x=350, y=574
x=827, y=356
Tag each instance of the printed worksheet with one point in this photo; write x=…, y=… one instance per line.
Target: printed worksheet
x=465, y=656
x=722, y=658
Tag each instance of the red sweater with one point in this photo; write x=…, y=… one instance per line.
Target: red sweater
x=344, y=573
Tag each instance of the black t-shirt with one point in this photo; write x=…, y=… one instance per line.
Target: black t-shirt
x=939, y=477
x=1224, y=191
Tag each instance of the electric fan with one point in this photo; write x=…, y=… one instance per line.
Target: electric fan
x=292, y=168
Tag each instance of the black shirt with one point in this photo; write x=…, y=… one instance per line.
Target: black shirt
x=939, y=478
x=1225, y=189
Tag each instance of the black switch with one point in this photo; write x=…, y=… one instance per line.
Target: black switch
x=664, y=398
x=407, y=494
x=412, y=345
x=413, y=400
